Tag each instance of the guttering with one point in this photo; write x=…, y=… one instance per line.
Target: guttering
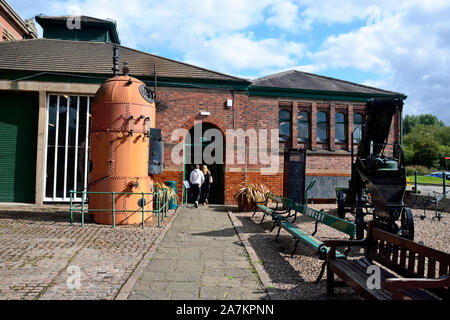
x=54, y=76
x=319, y=94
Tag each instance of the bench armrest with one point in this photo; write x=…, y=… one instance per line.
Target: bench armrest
x=255, y=202
x=347, y=243
x=337, y=243
x=265, y=201
x=398, y=285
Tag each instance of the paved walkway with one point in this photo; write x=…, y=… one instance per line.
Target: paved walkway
x=42, y=256
x=200, y=257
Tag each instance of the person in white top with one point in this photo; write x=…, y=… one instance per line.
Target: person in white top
x=196, y=179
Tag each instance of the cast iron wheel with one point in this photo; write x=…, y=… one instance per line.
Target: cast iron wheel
x=341, y=205
x=407, y=224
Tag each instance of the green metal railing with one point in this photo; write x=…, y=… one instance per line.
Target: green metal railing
x=160, y=201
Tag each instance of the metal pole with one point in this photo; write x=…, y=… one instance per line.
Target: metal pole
x=159, y=209
x=82, y=208
x=71, y=212
x=163, y=208
x=113, y=210
x=443, y=185
x=415, y=182
x=166, y=202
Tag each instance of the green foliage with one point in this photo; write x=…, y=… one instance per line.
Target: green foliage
x=421, y=170
x=426, y=141
x=410, y=122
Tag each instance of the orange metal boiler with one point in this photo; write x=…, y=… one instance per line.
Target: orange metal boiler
x=122, y=114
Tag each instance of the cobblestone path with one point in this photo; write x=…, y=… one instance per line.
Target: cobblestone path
x=200, y=257
x=40, y=251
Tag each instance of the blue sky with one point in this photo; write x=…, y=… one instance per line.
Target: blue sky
x=401, y=45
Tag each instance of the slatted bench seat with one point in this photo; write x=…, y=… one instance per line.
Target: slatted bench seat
x=393, y=255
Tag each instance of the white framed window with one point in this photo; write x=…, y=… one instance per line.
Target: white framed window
x=67, y=146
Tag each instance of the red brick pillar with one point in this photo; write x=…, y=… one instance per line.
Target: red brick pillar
x=397, y=127
x=313, y=126
x=294, y=142
x=332, y=143
x=350, y=127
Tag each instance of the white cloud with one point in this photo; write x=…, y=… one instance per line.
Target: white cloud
x=405, y=43
x=284, y=15
x=409, y=48
x=344, y=11
x=241, y=51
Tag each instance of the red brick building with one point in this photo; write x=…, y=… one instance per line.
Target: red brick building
x=57, y=88
x=12, y=27
x=321, y=114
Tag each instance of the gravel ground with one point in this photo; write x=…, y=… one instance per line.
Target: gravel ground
x=293, y=278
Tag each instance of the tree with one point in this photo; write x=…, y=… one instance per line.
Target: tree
x=427, y=152
x=410, y=122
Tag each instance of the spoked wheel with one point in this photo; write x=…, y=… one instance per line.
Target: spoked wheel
x=360, y=224
x=406, y=224
x=341, y=205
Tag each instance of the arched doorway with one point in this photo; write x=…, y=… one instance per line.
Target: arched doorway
x=205, y=144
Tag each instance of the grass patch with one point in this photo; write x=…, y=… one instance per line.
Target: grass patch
x=427, y=180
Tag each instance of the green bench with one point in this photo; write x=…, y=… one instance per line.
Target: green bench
x=287, y=205
x=336, y=223
x=286, y=220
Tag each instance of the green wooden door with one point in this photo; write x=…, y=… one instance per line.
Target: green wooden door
x=18, y=138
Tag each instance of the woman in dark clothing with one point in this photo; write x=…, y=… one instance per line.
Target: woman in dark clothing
x=206, y=186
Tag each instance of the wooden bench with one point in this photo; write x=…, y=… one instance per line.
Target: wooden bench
x=416, y=280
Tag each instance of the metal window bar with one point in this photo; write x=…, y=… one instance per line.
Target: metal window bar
x=75, y=175
x=160, y=211
x=63, y=161
x=55, y=164
x=66, y=147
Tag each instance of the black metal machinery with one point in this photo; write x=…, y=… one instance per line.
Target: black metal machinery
x=378, y=181
x=294, y=174
x=156, y=151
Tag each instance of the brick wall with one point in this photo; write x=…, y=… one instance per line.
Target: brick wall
x=180, y=108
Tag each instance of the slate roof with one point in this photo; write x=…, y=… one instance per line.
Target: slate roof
x=86, y=57
x=62, y=19
x=294, y=79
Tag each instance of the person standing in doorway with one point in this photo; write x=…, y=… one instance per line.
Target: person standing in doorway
x=207, y=185
x=196, y=179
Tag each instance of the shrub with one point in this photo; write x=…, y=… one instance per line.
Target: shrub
x=421, y=170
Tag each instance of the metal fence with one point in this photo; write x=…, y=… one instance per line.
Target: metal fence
x=160, y=199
